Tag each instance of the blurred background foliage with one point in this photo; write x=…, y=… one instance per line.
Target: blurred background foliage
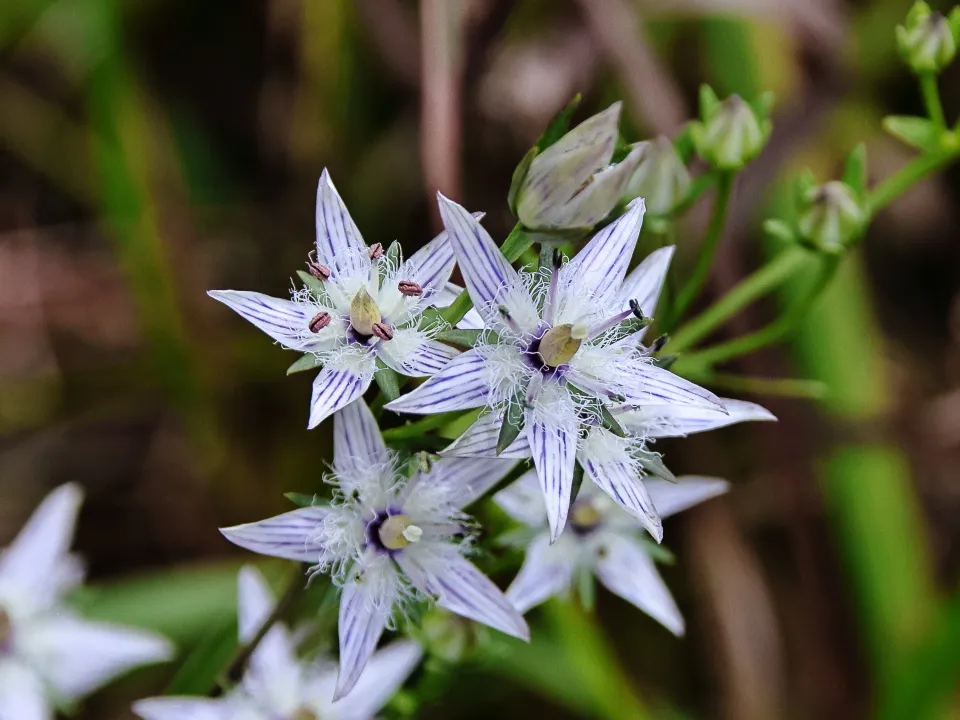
x=152, y=149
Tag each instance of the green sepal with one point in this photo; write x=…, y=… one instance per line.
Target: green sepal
x=684, y=144
x=432, y=317
x=709, y=103
x=779, y=230
x=917, y=132
x=855, y=170
x=658, y=552
x=665, y=362
x=516, y=243
x=308, y=361
x=577, y=483
x=609, y=422
x=301, y=499
x=467, y=338
x=804, y=183
x=313, y=284
x=559, y=125
x=387, y=380
x=513, y=422
x=586, y=586
x=392, y=257
x=652, y=464
x=763, y=105
x=519, y=175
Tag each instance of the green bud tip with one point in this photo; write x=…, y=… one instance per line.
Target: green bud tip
x=364, y=313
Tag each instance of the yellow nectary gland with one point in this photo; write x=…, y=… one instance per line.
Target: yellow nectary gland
x=559, y=344
x=364, y=313
x=6, y=627
x=304, y=714
x=584, y=516
x=398, y=531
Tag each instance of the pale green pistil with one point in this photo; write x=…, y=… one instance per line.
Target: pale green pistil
x=398, y=531
x=364, y=313
x=559, y=344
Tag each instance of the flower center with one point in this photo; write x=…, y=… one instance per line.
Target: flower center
x=584, y=517
x=303, y=713
x=559, y=344
x=364, y=313
x=6, y=628
x=398, y=531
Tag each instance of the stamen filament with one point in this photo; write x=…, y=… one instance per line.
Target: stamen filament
x=550, y=311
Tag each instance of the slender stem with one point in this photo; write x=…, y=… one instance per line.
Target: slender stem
x=931, y=99
x=772, y=333
x=708, y=248
x=905, y=178
x=234, y=670
x=778, y=387
x=416, y=429
x=752, y=287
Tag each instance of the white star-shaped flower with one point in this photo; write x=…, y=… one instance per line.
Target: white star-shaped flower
x=562, y=348
x=364, y=306
x=601, y=539
x=386, y=539
x=279, y=686
x=49, y=655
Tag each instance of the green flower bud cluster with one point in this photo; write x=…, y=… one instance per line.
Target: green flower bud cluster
x=731, y=133
x=928, y=40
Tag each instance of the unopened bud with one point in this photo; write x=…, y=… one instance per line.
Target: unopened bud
x=319, y=322
x=318, y=270
x=928, y=41
x=731, y=134
x=382, y=331
x=375, y=251
x=831, y=217
x=364, y=313
x=409, y=288
x=661, y=179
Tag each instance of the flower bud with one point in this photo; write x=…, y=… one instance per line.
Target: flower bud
x=927, y=41
x=661, y=179
x=572, y=183
x=831, y=217
x=731, y=133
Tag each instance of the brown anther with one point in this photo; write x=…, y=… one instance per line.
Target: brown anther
x=409, y=288
x=319, y=271
x=319, y=322
x=375, y=251
x=382, y=331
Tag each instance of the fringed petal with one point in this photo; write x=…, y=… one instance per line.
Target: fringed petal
x=547, y=571
x=689, y=490
x=461, y=385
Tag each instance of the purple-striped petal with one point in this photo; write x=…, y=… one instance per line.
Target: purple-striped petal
x=292, y=535
x=386, y=671
x=480, y=440
x=485, y=270
x=361, y=625
x=659, y=421
x=37, y=558
x=413, y=354
x=553, y=444
x=358, y=446
x=431, y=266
x=523, y=500
x=464, y=479
x=462, y=589
x=600, y=196
x=619, y=479
x=461, y=385
x=652, y=385
x=600, y=267
x=335, y=388
x=689, y=490
x=547, y=571
x=645, y=283
x=283, y=320
x=626, y=569
x=340, y=245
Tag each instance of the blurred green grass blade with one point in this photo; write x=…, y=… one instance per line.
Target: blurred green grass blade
x=198, y=672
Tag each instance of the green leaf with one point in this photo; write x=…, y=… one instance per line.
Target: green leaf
x=313, y=284
x=665, y=361
x=917, y=132
x=855, y=170
x=388, y=381
x=609, y=422
x=517, y=241
x=709, y=103
x=309, y=361
x=519, y=175
x=657, y=551
x=467, y=338
x=200, y=669
x=301, y=499
x=779, y=230
x=513, y=420
x=577, y=482
x=652, y=464
x=558, y=127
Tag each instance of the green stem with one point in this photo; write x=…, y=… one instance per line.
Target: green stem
x=776, y=331
x=931, y=99
x=708, y=247
x=905, y=178
x=754, y=286
x=776, y=387
x=414, y=430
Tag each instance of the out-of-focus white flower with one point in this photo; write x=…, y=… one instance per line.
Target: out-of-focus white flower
x=364, y=306
x=572, y=184
x=386, y=539
x=661, y=178
x=48, y=654
x=600, y=539
x=562, y=348
x=279, y=686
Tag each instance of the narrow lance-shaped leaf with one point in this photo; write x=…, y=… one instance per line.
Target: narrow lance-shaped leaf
x=917, y=132
x=387, y=381
x=609, y=422
x=559, y=125
x=391, y=260
x=467, y=338
x=513, y=421
x=309, y=361
x=315, y=285
x=652, y=464
x=301, y=499
x=519, y=175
